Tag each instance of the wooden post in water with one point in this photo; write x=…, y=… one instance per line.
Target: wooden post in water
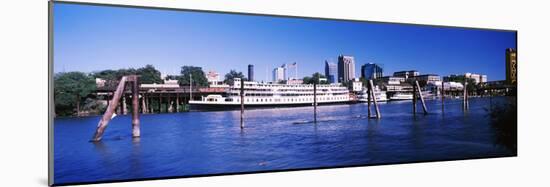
x=135, y=106
x=421, y=98
x=242, y=103
x=143, y=104
x=465, y=97
x=414, y=98
x=368, y=100
x=314, y=102
x=374, y=99
x=177, y=102
x=442, y=96
x=160, y=103
x=124, y=107
x=168, y=104
x=110, y=110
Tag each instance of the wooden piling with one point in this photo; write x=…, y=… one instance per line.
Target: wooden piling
x=374, y=99
x=168, y=103
x=465, y=96
x=442, y=97
x=124, y=107
x=314, y=102
x=368, y=100
x=110, y=110
x=135, y=106
x=160, y=103
x=143, y=104
x=421, y=98
x=414, y=99
x=242, y=103
x=177, y=102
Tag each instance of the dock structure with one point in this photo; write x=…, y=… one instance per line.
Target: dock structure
x=118, y=94
x=157, y=100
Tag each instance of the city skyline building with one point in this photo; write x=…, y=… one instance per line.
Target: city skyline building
x=346, y=68
x=331, y=71
x=371, y=71
x=406, y=74
x=511, y=66
x=250, y=72
x=279, y=74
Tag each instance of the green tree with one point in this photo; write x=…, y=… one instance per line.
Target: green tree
x=197, y=75
x=315, y=78
x=172, y=77
x=228, y=79
x=106, y=74
x=149, y=75
x=69, y=90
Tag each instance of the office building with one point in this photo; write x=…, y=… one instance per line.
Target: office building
x=346, y=68
x=371, y=71
x=511, y=66
x=331, y=70
x=278, y=74
x=406, y=74
x=250, y=72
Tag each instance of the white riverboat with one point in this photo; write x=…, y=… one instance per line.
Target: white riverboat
x=400, y=96
x=259, y=94
x=379, y=94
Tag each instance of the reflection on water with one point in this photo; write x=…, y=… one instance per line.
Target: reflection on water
x=196, y=143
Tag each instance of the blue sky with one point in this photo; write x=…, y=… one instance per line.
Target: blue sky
x=91, y=38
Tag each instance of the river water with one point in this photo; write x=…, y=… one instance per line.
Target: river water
x=199, y=143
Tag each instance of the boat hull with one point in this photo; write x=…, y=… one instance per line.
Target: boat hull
x=221, y=107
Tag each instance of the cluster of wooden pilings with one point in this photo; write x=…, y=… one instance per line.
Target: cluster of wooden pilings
x=152, y=102
x=174, y=101
x=133, y=82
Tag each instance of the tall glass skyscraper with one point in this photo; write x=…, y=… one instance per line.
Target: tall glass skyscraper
x=346, y=68
x=371, y=71
x=250, y=72
x=331, y=70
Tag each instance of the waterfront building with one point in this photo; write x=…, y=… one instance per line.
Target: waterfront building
x=346, y=68
x=483, y=78
x=99, y=82
x=477, y=78
x=428, y=78
x=250, y=72
x=295, y=81
x=453, y=86
x=356, y=85
x=371, y=71
x=392, y=80
x=272, y=94
x=331, y=70
x=511, y=66
x=406, y=74
x=279, y=74
x=401, y=87
x=168, y=83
